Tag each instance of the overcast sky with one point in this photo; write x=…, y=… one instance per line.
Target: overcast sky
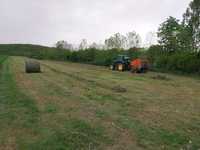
x=46, y=21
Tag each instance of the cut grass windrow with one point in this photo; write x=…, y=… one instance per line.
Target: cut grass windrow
x=22, y=126
x=18, y=113
x=73, y=106
x=79, y=78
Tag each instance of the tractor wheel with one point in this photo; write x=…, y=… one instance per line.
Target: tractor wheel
x=112, y=67
x=120, y=67
x=142, y=70
x=133, y=70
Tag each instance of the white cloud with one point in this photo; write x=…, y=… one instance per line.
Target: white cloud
x=46, y=21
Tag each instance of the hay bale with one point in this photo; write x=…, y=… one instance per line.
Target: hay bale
x=32, y=66
x=161, y=77
x=119, y=89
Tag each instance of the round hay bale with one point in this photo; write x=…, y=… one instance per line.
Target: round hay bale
x=32, y=66
x=161, y=77
x=119, y=89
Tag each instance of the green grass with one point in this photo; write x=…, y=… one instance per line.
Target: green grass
x=18, y=113
x=50, y=108
x=101, y=114
x=73, y=106
x=75, y=134
x=16, y=106
x=21, y=121
x=150, y=137
x=2, y=58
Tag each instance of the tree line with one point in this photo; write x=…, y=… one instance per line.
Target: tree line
x=179, y=43
x=117, y=41
x=178, y=47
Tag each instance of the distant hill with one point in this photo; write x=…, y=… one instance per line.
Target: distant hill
x=34, y=51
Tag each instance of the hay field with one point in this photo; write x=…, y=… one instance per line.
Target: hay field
x=73, y=106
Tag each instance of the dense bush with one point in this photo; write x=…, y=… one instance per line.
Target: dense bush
x=102, y=57
x=180, y=61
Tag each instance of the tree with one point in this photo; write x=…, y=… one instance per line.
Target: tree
x=83, y=44
x=133, y=40
x=191, y=19
x=185, y=38
x=168, y=33
x=94, y=45
x=151, y=39
x=60, y=44
x=64, y=45
x=116, y=41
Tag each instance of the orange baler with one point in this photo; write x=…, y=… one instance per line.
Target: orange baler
x=139, y=65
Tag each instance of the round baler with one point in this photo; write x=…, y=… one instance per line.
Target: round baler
x=139, y=65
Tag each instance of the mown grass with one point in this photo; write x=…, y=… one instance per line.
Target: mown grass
x=151, y=137
x=159, y=114
x=18, y=106
x=22, y=126
x=18, y=113
x=75, y=134
x=77, y=108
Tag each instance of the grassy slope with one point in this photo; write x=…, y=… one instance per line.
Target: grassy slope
x=33, y=51
x=75, y=107
x=22, y=127
x=18, y=113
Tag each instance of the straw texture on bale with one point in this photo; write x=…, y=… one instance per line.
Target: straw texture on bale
x=32, y=66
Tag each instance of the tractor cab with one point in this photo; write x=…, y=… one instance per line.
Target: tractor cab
x=123, y=58
x=121, y=63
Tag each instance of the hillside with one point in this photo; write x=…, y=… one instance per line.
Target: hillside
x=33, y=51
x=19, y=49
x=75, y=106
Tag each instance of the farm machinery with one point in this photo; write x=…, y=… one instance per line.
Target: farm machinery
x=124, y=63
